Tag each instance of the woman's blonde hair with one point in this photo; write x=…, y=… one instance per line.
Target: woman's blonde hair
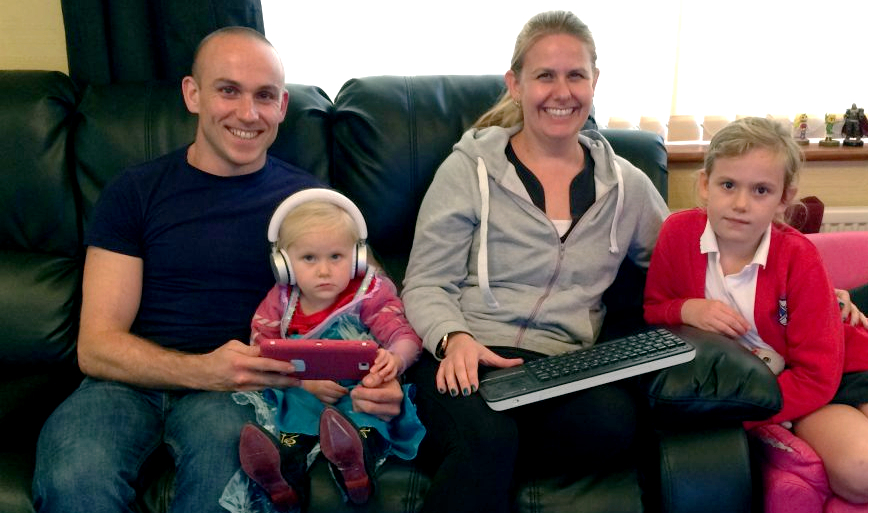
x=745, y=134
x=505, y=113
x=316, y=216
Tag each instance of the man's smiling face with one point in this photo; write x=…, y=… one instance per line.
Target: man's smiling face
x=238, y=92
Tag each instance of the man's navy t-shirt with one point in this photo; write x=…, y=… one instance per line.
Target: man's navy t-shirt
x=202, y=239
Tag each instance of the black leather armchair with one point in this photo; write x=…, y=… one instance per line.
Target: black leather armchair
x=379, y=142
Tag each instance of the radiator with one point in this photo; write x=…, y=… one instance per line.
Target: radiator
x=841, y=219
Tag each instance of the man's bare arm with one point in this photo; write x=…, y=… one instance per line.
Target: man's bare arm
x=111, y=293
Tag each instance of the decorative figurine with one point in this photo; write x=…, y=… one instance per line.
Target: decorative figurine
x=800, y=123
x=829, y=140
x=854, y=126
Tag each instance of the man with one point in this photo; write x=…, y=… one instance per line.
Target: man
x=175, y=267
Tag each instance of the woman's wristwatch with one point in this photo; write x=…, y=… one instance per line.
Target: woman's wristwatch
x=441, y=348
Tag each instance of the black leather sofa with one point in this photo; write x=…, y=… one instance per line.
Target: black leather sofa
x=380, y=142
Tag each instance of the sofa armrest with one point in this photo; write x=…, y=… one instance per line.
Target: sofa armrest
x=701, y=470
x=724, y=383
x=697, y=455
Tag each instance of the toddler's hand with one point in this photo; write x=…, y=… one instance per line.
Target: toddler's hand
x=714, y=316
x=386, y=365
x=326, y=391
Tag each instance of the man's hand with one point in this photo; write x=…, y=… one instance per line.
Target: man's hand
x=458, y=371
x=714, y=316
x=236, y=366
x=377, y=397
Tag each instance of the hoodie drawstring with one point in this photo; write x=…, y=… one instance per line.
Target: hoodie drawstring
x=482, y=266
x=620, y=200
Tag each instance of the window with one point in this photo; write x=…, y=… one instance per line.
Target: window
x=696, y=57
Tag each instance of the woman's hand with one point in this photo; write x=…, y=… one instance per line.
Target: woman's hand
x=714, y=316
x=326, y=391
x=458, y=371
x=386, y=365
x=848, y=310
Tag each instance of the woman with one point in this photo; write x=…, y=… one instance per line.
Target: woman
x=522, y=230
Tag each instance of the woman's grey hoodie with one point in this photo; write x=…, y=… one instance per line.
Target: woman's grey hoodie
x=488, y=262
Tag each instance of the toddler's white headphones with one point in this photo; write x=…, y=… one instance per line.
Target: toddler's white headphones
x=279, y=259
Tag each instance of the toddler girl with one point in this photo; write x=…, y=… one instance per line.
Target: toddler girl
x=326, y=290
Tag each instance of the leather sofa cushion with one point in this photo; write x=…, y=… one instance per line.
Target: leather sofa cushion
x=644, y=149
x=36, y=200
x=391, y=133
x=606, y=491
x=304, y=137
x=122, y=125
x=38, y=309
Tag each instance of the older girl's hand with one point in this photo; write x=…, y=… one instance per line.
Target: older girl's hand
x=714, y=316
x=458, y=371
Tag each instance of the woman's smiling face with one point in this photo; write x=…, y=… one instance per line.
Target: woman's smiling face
x=555, y=87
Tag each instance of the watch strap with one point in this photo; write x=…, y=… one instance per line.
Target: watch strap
x=441, y=348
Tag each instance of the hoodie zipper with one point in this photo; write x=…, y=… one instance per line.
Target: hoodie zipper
x=537, y=308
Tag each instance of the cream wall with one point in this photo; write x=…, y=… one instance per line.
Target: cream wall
x=836, y=183
x=32, y=35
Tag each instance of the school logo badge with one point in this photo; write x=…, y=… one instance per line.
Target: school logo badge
x=783, y=312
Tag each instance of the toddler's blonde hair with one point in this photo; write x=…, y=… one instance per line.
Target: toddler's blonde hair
x=316, y=216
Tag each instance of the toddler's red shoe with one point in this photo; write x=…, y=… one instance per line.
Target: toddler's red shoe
x=260, y=455
x=342, y=445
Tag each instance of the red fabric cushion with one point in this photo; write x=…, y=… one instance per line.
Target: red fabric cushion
x=844, y=255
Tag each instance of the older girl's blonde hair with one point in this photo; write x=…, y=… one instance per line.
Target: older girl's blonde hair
x=316, y=216
x=745, y=134
x=505, y=113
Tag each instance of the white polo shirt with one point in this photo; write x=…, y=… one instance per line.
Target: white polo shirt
x=737, y=290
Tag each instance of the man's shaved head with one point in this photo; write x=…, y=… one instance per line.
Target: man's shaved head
x=223, y=32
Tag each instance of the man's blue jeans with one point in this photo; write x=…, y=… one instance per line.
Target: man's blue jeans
x=93, y=446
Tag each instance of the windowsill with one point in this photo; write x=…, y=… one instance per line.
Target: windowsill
x=694, y=152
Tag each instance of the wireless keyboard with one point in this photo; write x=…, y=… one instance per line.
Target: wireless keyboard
x=650, y=350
